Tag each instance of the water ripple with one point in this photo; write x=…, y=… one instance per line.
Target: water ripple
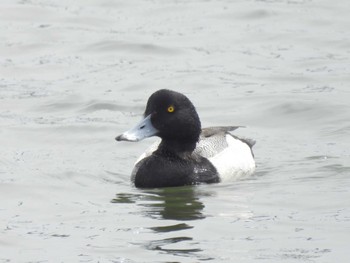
x=121, y=46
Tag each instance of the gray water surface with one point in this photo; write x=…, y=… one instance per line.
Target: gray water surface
x=74, y=74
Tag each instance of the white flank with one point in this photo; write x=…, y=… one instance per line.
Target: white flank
x=235, y=161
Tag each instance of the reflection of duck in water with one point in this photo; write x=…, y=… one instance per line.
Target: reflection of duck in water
x=179, y=206
x=181, y=203
x=176, y=203
x=186, y=155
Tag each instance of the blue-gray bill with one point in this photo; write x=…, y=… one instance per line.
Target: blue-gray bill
x=142, y=130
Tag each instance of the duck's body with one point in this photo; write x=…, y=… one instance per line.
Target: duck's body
x=186, y=154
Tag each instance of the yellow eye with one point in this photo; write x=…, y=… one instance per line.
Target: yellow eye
x=171, y=108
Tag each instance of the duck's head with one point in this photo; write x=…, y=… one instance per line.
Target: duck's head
x=169, y=115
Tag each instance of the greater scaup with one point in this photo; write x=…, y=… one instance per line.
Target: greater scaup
x=187, y=154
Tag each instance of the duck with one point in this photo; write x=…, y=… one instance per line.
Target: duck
x=186, y=154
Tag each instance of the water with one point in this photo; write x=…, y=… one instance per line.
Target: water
x=76, y=74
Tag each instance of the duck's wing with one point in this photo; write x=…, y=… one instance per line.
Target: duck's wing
x=210, y=131
x=213, y=140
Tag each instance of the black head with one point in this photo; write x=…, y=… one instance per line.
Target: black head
x=174, y=116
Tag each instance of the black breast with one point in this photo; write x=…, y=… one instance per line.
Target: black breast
x=159, y=170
